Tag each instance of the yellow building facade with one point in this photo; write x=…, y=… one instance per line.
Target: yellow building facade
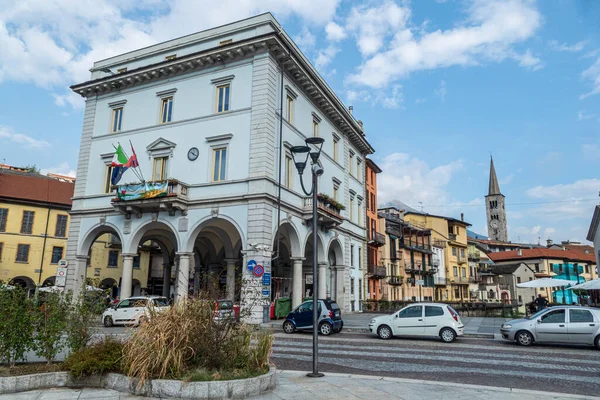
x=452, y=233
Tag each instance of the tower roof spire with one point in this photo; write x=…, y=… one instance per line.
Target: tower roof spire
x=494, y=187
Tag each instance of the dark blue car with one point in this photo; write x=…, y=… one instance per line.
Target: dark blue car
x=301, y=318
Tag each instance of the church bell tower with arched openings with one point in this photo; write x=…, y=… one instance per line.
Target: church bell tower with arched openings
x=496, y=212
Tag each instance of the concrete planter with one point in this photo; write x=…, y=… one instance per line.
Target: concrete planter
x=161, y=388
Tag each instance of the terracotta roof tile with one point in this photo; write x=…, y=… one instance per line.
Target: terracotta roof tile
x=542, y=253
x=34, y=187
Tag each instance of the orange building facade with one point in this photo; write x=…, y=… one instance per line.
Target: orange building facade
x=376, y=273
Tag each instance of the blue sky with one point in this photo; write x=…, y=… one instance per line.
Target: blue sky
x=439, y=84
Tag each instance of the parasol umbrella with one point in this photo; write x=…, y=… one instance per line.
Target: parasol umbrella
x=589, y=285
x=51, y=289
x=92, y=289
x=545, y=283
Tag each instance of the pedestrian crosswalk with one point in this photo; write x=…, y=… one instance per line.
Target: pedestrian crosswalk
x=483, y=362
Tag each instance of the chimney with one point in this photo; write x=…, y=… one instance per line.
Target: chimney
x=519, y=252
x=462, y=217
x=350, y=108
x=549, y=242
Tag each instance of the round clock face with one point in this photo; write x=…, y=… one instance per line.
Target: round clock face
x=193, y=154
x=494, y=224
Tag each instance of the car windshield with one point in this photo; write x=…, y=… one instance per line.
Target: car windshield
x=161, y=302
x=334, y=305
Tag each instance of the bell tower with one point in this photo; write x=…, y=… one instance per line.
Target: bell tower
x=496, y=213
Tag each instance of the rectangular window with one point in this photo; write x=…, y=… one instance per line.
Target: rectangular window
x=454, y=251
x=518, y=279
x=1, y=247
x=360, y=258
x=352, y=255
x=537, y=267
x=27, y=222
x=464, y=272
x=290, y=109
x=22, y=253
x=61, y=226
x=3, y=218
x=223, y=98
x=219, y=164
x=335, y=193
x=351, y=159
x=107, y=178
x=587, y=269
x=113, y=258
x=351, y=285
x=358, y=169
x=315, y=128
x=171, y=57
x=136, y=262
x=159, y=172
x=462, y=252
x=122, y=70
x=289, y=172
x=351, y=208
x=117, y=117
x=335, y=149
x=455, y=270
x=166, y=110
x=57, y=253
x=359, y=213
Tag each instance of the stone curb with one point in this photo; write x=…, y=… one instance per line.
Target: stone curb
x=160, y=388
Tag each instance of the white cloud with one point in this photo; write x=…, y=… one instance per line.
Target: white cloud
x=412, y=180
x=325, y=56
x=27, y=141
x=590, y=151
x=491, y=29
x=420, y=100
x=441, y=91
x=305, y=39
x=53, y=43
x=62, y=169
x=579, y=189
x=70, y=98
x=335, y=33
x=571, y=48
x=582, y=116
x=592, y=74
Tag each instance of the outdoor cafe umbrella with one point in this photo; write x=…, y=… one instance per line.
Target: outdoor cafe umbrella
x=545, y=283
x=51, y=289
x=589, y=285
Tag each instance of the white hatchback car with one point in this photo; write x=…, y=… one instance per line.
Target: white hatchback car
x=134, y=310
x=421, y=319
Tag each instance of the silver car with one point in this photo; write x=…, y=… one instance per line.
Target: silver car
x=567, y=324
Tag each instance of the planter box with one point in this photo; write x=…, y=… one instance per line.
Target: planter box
x=160, y=388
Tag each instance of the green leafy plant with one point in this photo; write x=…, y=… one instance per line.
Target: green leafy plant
x=98, y=358
x=79, y=329
x=16, y=328
x=49, y=319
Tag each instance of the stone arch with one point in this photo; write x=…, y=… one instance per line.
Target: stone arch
x=49, y=281
x=93, y=233
x=149, y=229
x=229, y=226
x=107, y=283
x=320, y=247
x=23, y=281
x=289, y=232
x=335, y=250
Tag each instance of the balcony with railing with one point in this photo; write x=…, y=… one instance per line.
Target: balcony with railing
x=169, y=195
x=452, y=236
x=459, y=280
x=377, y=239
x=426, y=248
x=328, y=213
x=440, y=280
x=393, y=230
x=474, y=256
x=395, y=280
x=376, y=271
x=503, y=286
x=460, y=259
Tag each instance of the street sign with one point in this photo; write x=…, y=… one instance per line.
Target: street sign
x=258, y=270
x=251, y=265
x=420, y=282
x=61, y=277
x=61, y=272
x=267, y=279
x=266, y=293
x=63, y=263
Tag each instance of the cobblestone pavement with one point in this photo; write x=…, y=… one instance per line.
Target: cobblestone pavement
x=467, y=361
x=293, y=385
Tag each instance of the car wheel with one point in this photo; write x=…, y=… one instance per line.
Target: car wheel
x=524, y=338
x=325, y=329
x=597, y=342
x=288, y=327
x=108, y=322
x=448, y=335
x=384, y=332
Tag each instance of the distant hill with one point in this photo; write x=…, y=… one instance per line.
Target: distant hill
x=475, y=235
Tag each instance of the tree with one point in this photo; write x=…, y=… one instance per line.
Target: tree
x=33, y=168
x=16, y=329
x=50, y=319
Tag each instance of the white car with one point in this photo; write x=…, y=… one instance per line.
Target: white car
x=421, y=319
x=134, y=310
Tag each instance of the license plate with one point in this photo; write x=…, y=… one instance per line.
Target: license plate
x=337, y=314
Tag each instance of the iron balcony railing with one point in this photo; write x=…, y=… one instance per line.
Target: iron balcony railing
x=395, y=280
x=376, y=271
x=377, y=239
x=438, y=280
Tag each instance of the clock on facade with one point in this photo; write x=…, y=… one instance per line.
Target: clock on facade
x=193, y=154
x=494, y=224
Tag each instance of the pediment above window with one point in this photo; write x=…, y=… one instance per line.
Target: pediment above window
x=161, y=147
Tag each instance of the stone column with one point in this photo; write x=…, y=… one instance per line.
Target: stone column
x=297, y=281
x=183, y=277
x=79, y=278
x=230, y=284
x=166, y=280
x=322, y=289
x=127, y=277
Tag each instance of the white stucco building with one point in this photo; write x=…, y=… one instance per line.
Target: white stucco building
x=202, y=112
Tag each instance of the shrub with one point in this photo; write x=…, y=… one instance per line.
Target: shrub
x=49, y=318
x=79, y=324
x=16, y=329
x=98, y=358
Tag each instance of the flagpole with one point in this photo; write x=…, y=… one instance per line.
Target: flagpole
x=137, y=161
x=133, y=169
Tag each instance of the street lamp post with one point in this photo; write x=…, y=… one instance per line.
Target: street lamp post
x=303, y=152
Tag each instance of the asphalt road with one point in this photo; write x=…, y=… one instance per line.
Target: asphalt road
x=563, y=369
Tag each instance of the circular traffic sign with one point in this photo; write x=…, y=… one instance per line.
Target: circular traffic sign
x=251, y=265
x=258, y=270
x=61, y=273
